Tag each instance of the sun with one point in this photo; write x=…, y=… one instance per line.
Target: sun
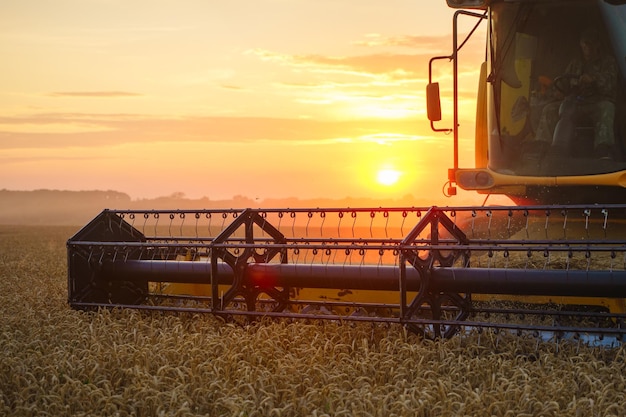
x=388, y=176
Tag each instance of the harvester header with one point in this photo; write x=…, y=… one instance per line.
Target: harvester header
x=434, y=270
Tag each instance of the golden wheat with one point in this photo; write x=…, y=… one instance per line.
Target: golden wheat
x=60, y=362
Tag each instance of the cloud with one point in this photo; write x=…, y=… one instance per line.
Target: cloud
x=419, y=42
x=373, y=64
x=382, y=85
x=48, y=158
x=112, y=94
x=380, y=67
x=111, y=130
x=231, y=87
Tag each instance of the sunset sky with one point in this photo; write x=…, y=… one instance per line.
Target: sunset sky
x=214, y=98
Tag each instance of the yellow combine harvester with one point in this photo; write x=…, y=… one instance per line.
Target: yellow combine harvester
x=550, y=125
x=549, y=134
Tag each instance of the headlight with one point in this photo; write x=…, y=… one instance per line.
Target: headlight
x=474, y=179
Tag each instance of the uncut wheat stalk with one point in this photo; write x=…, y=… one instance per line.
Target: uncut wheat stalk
x=57, y=361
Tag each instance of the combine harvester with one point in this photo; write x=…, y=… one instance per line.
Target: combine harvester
x=553, y=266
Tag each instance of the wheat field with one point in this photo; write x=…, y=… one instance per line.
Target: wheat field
x=60, y=362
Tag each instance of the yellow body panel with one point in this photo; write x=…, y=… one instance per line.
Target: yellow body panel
x=614, y=305
x=302, y=294
x=513, y=122
x=482, y=133
x=516, y=184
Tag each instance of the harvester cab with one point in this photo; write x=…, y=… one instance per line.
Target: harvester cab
x=552, y=268
x=550, y=125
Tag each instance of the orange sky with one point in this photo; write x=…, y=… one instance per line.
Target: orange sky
x=262, y=98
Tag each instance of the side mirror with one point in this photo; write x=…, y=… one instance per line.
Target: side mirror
x=433, y=102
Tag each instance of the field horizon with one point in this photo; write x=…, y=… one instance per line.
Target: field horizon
x=76, y=208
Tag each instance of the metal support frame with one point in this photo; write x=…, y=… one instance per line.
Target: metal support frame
x=455, y=81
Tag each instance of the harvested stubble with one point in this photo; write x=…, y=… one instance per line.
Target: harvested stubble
x=56, y=361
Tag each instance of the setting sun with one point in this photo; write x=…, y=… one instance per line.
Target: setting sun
x=286, y=110
x=388, y=176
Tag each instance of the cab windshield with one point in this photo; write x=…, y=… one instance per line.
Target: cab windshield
x=556, y=74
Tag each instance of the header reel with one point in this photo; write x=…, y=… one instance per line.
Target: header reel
x=554, y=271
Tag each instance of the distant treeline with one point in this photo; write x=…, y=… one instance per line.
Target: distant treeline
x=76, y=208
x=55, y=207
